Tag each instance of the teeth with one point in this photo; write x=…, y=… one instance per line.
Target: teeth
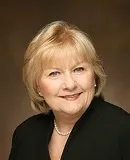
x=71, y=97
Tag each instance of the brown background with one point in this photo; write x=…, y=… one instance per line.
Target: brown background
x=106, y=21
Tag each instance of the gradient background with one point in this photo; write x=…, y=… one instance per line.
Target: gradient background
x=106, y=21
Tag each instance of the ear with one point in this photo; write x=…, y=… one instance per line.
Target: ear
x=40, y=94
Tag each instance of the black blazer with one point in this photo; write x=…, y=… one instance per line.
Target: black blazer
x=102, y=132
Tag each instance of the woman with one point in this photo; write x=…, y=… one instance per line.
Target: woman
x=65, y=78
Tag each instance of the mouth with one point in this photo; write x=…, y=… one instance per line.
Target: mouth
x=71, y=97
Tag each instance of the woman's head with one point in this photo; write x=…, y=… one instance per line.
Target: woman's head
x=56, y=44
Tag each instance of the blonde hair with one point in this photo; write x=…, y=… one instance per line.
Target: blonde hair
x=58, y=39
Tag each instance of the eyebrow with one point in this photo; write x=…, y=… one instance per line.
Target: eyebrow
x=80, y=63
x=73, y=66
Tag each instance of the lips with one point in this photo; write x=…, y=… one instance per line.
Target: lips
x=71, y=97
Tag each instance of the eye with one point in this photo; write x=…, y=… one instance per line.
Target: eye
x=79, y=70
x=54, y=74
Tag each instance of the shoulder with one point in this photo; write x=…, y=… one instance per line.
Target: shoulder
x=30, y=125
x=29, y=133
x=114, y=115
x=117, y=121
x=35, y=120
x=115, y=110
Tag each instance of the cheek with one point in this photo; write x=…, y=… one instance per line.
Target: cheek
x=87, y=81
x=48, y=88
x=45, y=89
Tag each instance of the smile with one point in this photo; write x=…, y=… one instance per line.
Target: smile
x=71, y=97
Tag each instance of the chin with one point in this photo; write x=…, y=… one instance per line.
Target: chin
x=74, y=110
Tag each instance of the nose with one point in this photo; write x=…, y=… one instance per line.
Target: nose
x=69, y=82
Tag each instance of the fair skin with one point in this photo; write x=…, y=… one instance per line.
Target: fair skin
x=68, y=90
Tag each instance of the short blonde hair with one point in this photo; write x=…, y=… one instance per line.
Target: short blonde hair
x=58, y=39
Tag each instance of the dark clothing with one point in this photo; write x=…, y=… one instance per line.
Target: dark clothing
x=102, y=133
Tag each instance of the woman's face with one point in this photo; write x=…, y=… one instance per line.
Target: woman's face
x=68, y=87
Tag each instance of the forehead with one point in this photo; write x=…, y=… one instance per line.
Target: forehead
x=63, y=57
x=67, y=62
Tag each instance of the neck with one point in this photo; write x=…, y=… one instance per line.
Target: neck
x=61, y=133
x=65, y=122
